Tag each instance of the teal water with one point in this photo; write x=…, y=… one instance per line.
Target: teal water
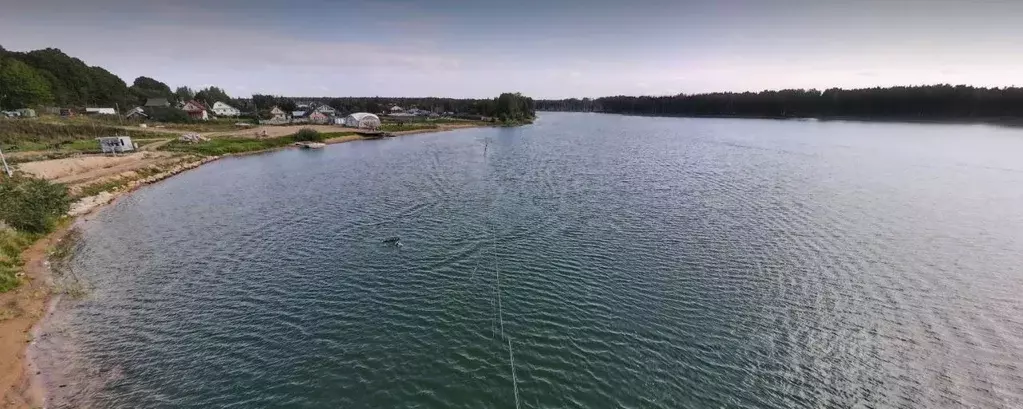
x=629, y=262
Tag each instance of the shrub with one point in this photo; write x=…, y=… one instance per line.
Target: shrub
x=168, y=114
x=308, y=135
x=32, y=205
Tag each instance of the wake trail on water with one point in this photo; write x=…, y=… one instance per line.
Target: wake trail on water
x=500, y=308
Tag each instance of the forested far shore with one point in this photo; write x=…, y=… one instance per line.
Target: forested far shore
x=51, y=78
x=930, y=102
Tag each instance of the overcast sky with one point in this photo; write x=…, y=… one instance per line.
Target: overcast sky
x=545, y=49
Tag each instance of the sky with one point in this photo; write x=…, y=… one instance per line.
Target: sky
x=544, y=49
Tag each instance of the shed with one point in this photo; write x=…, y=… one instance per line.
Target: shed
x=116, y=144
x=136, y=113
x=364, y=120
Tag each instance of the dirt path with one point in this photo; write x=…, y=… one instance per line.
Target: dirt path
x=155, y=145
x=20, y=309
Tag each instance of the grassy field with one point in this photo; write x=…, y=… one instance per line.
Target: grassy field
x=407, y=126
x=225, y=146
x=34, y=134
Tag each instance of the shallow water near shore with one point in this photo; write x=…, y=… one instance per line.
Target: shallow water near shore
x=629, y=262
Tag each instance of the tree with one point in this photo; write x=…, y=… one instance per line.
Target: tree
x=144, y=88
x=184, y=93
x=210, y=95
x=21, y=86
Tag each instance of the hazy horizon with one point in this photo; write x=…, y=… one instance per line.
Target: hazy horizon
x=546, y=50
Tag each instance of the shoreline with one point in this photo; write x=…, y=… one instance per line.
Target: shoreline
x=21, y=381
x=1009, y=122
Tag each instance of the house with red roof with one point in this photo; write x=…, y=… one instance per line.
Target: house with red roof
x=196, y=110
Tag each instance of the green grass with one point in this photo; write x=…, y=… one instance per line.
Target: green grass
x=12, y=243
x=408, y=126
x=33, y=134
x=225, y=146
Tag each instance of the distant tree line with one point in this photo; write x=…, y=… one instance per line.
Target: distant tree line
x=49, y=77
x=923, y=102
x=507, y=106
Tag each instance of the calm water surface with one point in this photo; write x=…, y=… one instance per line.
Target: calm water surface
x=629, y=262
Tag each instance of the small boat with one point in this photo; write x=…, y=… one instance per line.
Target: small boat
x=313, y=145
x=394, y=239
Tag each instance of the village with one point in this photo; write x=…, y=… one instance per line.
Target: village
x=97, y=151
x=195, y=110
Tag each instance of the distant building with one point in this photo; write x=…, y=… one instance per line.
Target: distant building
x=222, y=109
x=278, y=114
x=362, y=120
x=136, y=113
x=299, y=117
x=100, y=111
x=326, y=109
x=318, y=117
x=116, y=144
x=157, y=102
x=196, y=110
x=396, y=109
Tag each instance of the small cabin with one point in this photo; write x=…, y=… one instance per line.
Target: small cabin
x=116, y=144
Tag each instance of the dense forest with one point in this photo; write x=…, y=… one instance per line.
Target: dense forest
x=919, y=102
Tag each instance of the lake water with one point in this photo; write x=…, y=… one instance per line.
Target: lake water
x=628, y=262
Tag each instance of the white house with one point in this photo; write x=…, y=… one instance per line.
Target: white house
x=396, y=109
x=326, y=110
x=278, y=114
x=222, y=109
x=100, y=111
x=116, y=144
x=363, y=120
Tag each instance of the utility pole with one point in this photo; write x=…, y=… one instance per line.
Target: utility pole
x=6, y=168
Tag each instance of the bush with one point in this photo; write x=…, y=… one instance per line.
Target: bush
x=168, y=114
x=308, y=135
x=32, y=205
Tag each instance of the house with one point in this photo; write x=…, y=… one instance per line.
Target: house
x=363, y=120
x=326, y=109
x=196, y=110
x=318, y=117
x=396, y=109
x=157, y=102
x=136, y=113
x=278, y=114
x=299, y=117
x=116, y=144
x=100, y=111
x=222, y=109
